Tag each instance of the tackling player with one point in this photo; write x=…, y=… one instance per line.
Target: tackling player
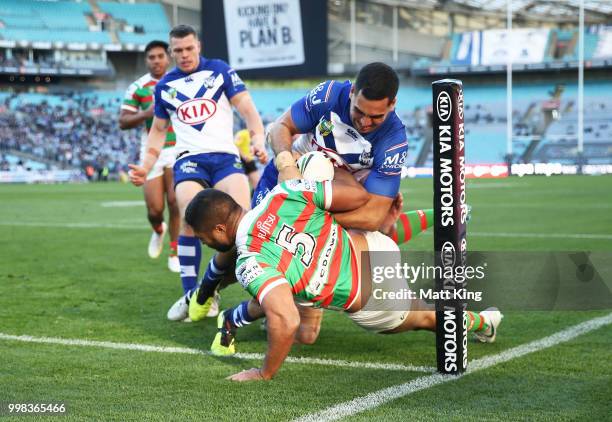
x=137, y=108
x=291, y=249
x=197, y=97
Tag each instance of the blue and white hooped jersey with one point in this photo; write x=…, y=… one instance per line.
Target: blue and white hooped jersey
x=323, y=115
x=198, y=105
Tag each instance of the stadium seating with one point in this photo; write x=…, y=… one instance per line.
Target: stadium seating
x=150, y=16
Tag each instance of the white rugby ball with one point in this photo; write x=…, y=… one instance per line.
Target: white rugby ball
x=315, y=165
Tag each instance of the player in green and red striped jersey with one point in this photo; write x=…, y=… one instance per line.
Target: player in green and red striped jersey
x=137, y=108
x=291, y=249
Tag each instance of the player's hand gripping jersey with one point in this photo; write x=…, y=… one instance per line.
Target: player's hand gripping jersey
x=198, y=105
x=291, y=238
x=323, y=115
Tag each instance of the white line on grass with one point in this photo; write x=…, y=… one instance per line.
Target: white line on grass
x=593, y=236
x=189, y=351
x=122, y=204
x=74, y=225
x=543, y=235
x=377, y=398
x=430, y=232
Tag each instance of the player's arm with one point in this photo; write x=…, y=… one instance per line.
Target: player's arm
x=155, y=143
x=129, y=119
x=369, y=216
x=302, y=117
x=347, y=195
x=282, y=132
x=282, y=321
x=243, y=103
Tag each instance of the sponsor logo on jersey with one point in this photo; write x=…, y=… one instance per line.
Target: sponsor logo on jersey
x=238, y=164
x=325, y=127
x=395, y=161
x=172, y=92
x=248, y=271
x=365, y=159
x=350, y=132
x=209, y=82
x=264, y=229
x=196, y=111
x=236, y=81
x=188, y=79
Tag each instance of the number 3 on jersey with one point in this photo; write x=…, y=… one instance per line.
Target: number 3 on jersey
x=290, y=240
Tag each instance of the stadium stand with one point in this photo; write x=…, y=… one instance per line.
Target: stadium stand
x=67, y=131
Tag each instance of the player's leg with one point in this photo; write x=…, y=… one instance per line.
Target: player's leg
x=189, y=250
x=228, y=176
x=409, y=224
x=310, y=324
x=422, y=316
x=174, y=220
x=228, y=323
x=154, y=199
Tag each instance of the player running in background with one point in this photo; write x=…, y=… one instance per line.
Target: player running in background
x=137, y=108
x=197, y=97
x=242, y=139
x=292, y=250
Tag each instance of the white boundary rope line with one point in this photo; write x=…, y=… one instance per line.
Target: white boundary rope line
x=190, y=351
x=377, y=398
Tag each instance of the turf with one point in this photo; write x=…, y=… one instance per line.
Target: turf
x=74, y=269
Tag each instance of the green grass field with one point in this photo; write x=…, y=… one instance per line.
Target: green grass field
x=72, y=268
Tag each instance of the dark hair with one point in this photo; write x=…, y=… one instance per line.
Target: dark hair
x=209, y=208
x=376, y=81
x=154, y=44
x=182, y=31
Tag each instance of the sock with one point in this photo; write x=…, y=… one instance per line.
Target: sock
x=158, y=228
x=475, y=322
x=173, y=246
x=239, y=316
x=210, y=281
x=411, y=223
x=190, y=254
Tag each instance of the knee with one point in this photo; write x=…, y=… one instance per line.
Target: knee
x=307, y=335
x=155, y=212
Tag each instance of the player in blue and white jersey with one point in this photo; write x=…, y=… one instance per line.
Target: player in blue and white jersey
x=355, y=124
x=197, y=97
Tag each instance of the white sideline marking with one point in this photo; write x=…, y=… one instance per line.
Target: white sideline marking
x=121, y=204
x=75, y=225
x=429, y=232
x=377, y=398
x=544, y=235
x=190, y=351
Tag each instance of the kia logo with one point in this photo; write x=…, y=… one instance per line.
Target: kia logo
x=196, y=111
x=443, y=106
x=447, y=255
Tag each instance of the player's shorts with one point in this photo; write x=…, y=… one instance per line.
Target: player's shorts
x=165, y=160
x=207, y=169
x=379, y=314
x=269, y=179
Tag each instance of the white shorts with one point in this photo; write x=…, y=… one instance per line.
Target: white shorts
x=165, y=160
x=382, y=315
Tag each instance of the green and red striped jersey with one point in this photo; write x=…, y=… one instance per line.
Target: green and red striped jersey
x=139, y=96
x=290, y=237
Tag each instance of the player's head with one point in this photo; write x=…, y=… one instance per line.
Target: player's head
x=373, y=96
x=156, y=57
x=185, y=47
x=214, y=215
